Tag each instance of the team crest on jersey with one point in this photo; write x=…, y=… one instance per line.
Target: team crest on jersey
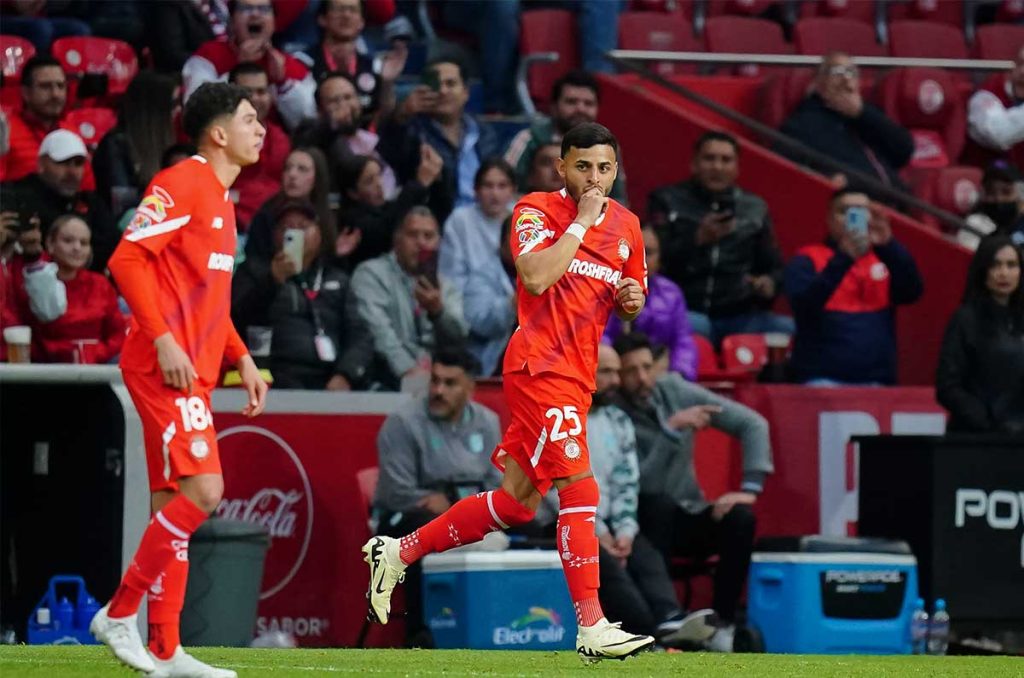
x=623, y=249
x=529, y=236
x=571, y=449
x=155, y=205
x=529, y=219
x=138, y=222
x=200, y=449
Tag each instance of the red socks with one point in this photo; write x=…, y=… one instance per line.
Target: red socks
x=166, y=598
x=577, y=542
x=165, y=539
x=464, y=523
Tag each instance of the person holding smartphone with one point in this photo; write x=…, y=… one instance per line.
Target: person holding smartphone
x=844, y=293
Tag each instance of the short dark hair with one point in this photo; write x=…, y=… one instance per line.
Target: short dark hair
x=999, y=171
x=715, y=135
x=633, y=341
x=246, y=68
x=321, y=9
x=233, y=5
x=457, y=356
x=575, y=79
x=332, y=75
x=447, y=59
x=34, y=64
x=587, y=134
x=494, y=162
x=211, y=101
x=840, y=193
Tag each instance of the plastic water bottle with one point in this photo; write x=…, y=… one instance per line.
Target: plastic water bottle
x=919, y=628
x=938, y=630
x=65, y=615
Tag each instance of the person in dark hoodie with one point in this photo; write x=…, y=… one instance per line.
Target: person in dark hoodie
x=844, y=294
x=980, y=378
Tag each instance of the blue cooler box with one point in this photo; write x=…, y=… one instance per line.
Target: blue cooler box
x=506, y=600
x=832, y=595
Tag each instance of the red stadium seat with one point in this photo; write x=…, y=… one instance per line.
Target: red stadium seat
x=14, y=52
x=664, y=32
x=949, y=12
x=744, y=352
x=956, y=189
x=92, y=124
x=1010, y=11
x=707, y=358
x=928, y=103
x=998, y=41
x=822, y=35
x=547, y=31
x=782, y=92
x=113, y=58
x=926, y=39
x=745, y=35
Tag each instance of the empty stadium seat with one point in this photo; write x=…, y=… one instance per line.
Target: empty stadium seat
x=998, y=41
x=949, y=12
x=746, y=35
x=781, y=93
x=825, y=34
x=14, y=52
x=546, y=31
x=848, y=9
x=707, y=358
x=744, y=352
x=926, y=39
x=656, y=31
x=955, y=189
x=92, y=124
x=927, y=102
x=113, y=58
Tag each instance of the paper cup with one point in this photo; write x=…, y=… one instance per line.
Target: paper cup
x=19, y=340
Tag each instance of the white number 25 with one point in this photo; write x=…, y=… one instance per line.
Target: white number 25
x=560, y=415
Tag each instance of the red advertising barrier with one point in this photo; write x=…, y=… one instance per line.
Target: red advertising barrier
x=299, y=470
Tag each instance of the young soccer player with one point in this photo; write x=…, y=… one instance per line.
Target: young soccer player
x=173, y=267
x=579, y=255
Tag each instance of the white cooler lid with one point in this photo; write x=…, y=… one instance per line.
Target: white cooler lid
x=834, y=558
x=484, y=561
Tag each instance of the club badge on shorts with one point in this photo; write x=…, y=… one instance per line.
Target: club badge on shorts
x=571, y=449
x=200, y=449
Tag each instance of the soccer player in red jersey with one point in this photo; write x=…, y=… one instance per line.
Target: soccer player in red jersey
x=173, y=267
x=579, y=256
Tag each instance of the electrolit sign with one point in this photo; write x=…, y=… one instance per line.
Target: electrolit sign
x=540, y=625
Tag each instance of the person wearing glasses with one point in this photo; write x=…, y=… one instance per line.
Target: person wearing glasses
x=835, y=120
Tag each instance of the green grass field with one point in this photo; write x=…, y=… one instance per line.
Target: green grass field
x=57, y=662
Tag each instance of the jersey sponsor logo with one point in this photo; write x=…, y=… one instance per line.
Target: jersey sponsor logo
x=156, y=204
x=218, y=223
x=138, y=222
x=623, y=249
x=221, y=262
x=529, y=219
x=595, y=271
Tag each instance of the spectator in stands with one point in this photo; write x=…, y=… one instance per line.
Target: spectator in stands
x=434, y=451
x=574, y=99
x=128, y=156
x=995, y=117
x=543, y=175
x=248, y=41
x=262, y=179
x=470, y=250
x=835, y=120
x=313, y=344
x=664, y=318
x=30, y=19
x=44, y=93
x=337, y=131
x=365, y=212
x=718, y=244
x=844, y=293
x=73, y=312
x=408, y=310
x=343, y=50
x=489, y=306
x=1001, y=207
x=56, y=188
x=674, y=514
x=980, y=378
x=437, y=116
x=185, y=26
x=176, y=153
x=635, y=584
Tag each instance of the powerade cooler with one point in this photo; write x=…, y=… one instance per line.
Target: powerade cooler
x=506, y=600
x=832, y=595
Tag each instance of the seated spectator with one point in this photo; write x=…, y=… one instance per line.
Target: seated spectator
x=574, y=99
x=407, y=313
x=366, y=214
x=433, y=452
x=305, y=178
x=128, y=156
x=844, y=293
x=185, y=26
x=336, y=130
x=248, y=41
x=718, y=244
x=1000, y=208
x=995, y=118
x=470, y=255
x=73, y=312
x=635, y=584
x=56, y=188
x=674, y=514
x=836, y=121
x=489, y=306
x=664, y=318
x=32, y=20
x=438, y=118
x=313, y=345
x=257, y=182
x=543, y=176
x=980, y=378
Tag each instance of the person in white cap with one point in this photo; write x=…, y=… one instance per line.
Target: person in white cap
x=56, y=189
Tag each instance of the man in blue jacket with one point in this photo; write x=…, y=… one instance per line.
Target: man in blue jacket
x=844, y=294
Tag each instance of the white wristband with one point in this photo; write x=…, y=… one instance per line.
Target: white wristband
x=576, y=230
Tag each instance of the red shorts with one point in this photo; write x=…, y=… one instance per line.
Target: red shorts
x=177, y=430
x=548, y=433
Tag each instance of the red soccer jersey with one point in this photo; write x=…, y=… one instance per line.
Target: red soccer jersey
x=559, y=330
x=187, y=221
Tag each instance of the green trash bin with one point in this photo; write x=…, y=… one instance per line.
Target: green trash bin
x=224, y=578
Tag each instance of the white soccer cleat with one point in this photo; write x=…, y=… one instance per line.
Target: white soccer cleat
x=605, y=640
x=183, y=665
x=121, y=635
x=386, y=571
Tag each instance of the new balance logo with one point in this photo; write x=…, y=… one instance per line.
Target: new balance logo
x=221, y=262
x=595, y=271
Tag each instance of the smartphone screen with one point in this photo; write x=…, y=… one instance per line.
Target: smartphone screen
x=428, y=265
x=857, y=220
x=432, y=79
x=294, y=244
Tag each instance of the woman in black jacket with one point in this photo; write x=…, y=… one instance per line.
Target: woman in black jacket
x=980, y=379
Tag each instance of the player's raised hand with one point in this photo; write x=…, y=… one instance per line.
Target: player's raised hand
x=175, y=365
x=255, y=387
x=629, y=295
x=590, y=206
